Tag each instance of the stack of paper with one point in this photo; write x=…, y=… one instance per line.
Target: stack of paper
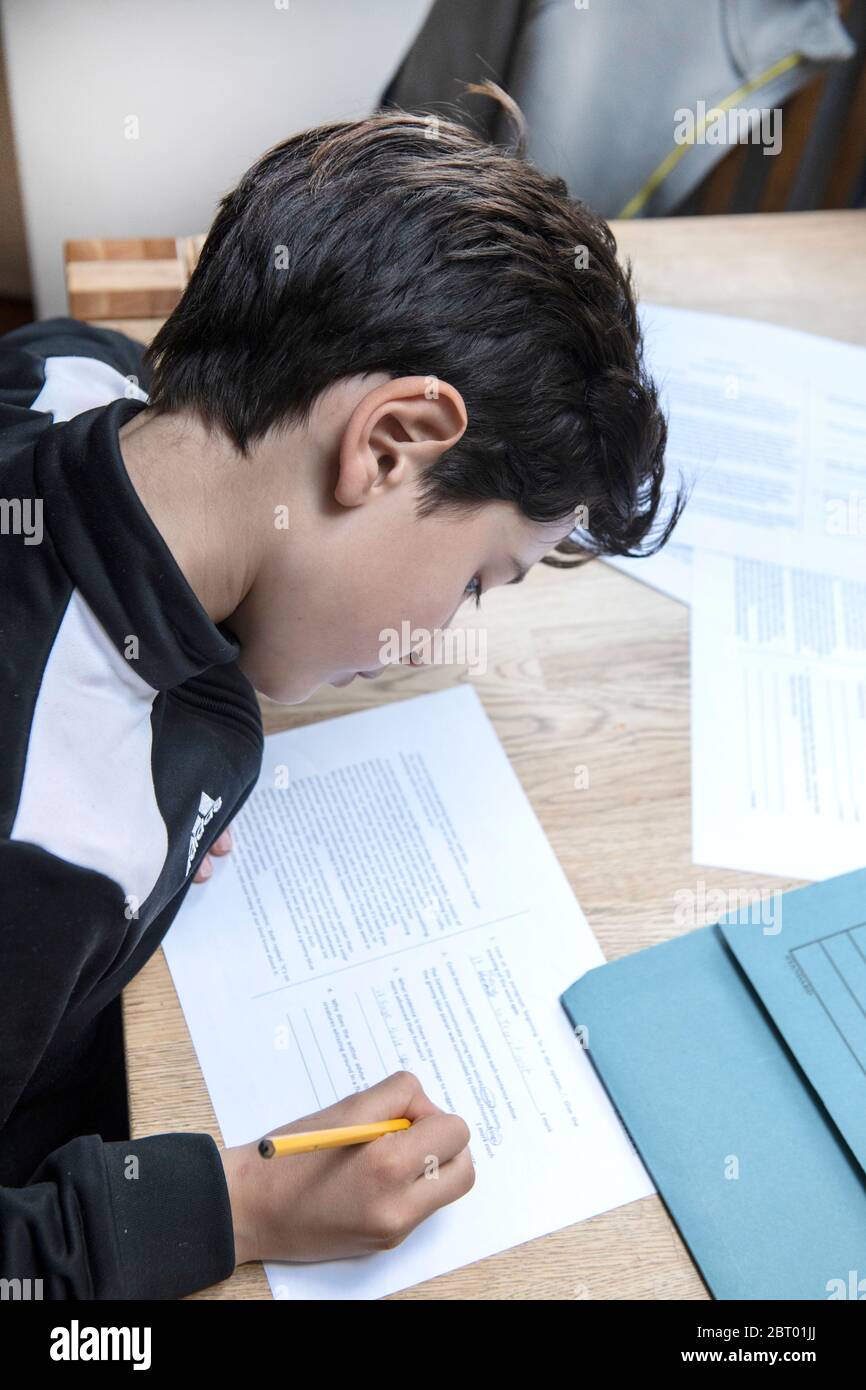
x=768, y=430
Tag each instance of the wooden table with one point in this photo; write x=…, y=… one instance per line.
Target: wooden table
x=584, y=667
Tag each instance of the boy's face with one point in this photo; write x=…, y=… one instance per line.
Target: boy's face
x=338, y=626
x=355, y=568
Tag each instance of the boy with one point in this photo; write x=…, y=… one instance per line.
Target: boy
x=405, y=365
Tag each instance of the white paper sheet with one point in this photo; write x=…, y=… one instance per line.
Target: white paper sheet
x=769, y=427
x=669, y=570
x=778, y=718
x=392, y=902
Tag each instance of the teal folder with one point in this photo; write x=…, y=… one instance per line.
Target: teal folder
x=736, y=1057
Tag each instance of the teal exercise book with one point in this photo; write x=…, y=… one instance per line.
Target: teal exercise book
x=736, y=1057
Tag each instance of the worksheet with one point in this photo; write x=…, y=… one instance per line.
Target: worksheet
x=669, y=570
x=767, y=429
x=778, y=718
x=392, y=902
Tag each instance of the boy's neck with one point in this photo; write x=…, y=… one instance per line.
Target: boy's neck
x=198, y=495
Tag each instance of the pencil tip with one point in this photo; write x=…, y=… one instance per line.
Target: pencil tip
x=266, y=1148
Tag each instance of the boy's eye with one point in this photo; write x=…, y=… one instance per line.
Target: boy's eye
x=473, y=590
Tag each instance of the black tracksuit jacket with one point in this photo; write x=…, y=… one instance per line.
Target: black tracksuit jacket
x=128, y=741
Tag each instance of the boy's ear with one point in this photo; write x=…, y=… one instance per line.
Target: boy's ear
x=397, y=429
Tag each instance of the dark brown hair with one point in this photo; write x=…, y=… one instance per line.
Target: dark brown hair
x=406, y=244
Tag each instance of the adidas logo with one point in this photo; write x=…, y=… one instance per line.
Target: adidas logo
x=207, y=809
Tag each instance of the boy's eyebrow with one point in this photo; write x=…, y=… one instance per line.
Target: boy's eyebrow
x=521, y=572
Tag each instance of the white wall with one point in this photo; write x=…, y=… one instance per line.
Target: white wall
x=14, y=270
x=213, y=83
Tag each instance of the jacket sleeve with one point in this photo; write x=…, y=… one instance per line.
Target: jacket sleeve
x=143, y=1219
x=131, y=1219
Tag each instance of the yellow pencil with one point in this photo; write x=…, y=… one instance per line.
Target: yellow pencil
x=310, y=1140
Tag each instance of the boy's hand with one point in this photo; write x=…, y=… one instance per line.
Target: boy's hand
x=336, y=1203
x=221, y=845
